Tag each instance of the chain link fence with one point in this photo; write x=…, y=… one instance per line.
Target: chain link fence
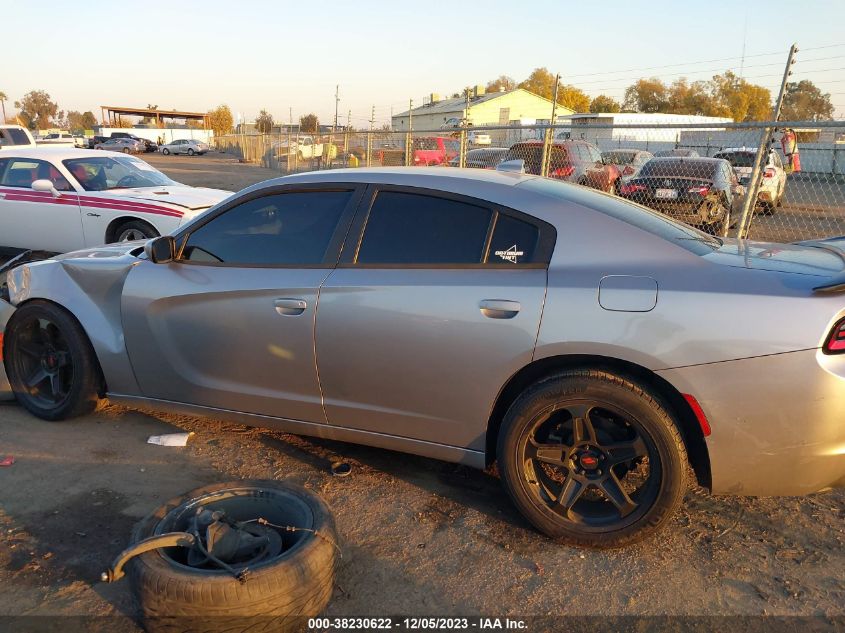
x=728, y=179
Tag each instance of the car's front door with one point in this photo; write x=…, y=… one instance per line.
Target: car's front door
x=435, y=304
x=230, y=324
x=37, y=220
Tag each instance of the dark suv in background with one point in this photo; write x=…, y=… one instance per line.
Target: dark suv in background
x=571, y=160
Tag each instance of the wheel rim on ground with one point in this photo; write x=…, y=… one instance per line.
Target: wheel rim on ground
x=41, y=358
x=279, y=510
x=591, y=464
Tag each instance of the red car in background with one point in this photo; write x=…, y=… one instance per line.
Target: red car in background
x=571, y=160
x=434, y=150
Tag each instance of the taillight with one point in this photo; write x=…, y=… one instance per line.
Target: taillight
x=769, y=173
x=701, y=191
x=836, y=341
x=562, y=172
x=631, y=188
x=628, y=170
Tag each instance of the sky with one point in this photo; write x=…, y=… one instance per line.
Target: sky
x=288, y=56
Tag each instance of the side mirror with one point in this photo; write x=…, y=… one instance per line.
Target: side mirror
x=45, y=186
x=161, y=250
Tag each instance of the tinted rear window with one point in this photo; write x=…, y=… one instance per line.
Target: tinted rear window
x=619, y=158
x=738, y=159
x=650, y=221
x=679, y=169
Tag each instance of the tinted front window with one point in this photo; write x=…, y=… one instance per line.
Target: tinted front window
x=99, y=173
x=619, y=158
x=405, y=228
x=513, y=241
x=283, y=229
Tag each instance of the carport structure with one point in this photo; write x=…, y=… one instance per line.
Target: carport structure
x=110, y=115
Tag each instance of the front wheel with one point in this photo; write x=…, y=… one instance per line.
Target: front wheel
x=134, y=230
x=592, y=458
x=50, y=363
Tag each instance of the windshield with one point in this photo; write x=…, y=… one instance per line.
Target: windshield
x=101, y=173
x=650, y=221
x=618, y=158
x=738, y=159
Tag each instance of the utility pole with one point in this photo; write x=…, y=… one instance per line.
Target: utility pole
x=408, y=138
x=348, y=128
x=370, y=135
x=766, y=139
x=549, y=136
x=336, y=103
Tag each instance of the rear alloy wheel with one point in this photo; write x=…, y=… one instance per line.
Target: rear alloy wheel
x=165, y=151
x=592, y=459
x=50, y=363
x=190, y=151
x=126, y=150
x=133, y=231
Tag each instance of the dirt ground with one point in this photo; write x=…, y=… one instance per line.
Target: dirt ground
x=419, y=537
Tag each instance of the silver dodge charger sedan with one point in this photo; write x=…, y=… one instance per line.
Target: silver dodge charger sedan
x=592, y=348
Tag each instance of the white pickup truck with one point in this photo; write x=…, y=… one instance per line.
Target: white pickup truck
x=15, y=136
x=62, y=139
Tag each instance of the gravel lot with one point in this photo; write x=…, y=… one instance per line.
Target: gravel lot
x=419, y=537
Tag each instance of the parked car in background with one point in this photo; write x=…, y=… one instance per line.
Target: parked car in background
x=61, y=199
x=703, y=192
x=630, y=161
x=678, y=152
x=15, y=136
x=58, y=138
x=478, y=138
x=772, y=186
x=305, y=148
x=149, y=146
x=93, y=141
x=434, y=150
x=482, y=158
x=594, y=351
x=184, y=146
x=571, y=160
x=125, y=145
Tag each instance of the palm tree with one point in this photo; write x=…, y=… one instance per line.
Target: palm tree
x=3, y=98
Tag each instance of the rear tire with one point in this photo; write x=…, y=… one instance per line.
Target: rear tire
x=165, y=151
x=50, y=362
x=602, y=430
x=190, y=151
x=126, y=150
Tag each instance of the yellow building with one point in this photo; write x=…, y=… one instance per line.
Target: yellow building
x=511, y=107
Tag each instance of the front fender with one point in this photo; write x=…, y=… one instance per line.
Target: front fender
x=6, y=311
x=90, y=288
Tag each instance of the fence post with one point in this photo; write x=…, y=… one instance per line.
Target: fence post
x=462, y=149
x=408, y=148
x=296, y=150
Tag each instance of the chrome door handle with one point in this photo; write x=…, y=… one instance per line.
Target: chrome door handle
x=499, y=308
x=290, y=307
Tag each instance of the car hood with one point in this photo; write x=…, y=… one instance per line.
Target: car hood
x=822, y=258
x=193, y=198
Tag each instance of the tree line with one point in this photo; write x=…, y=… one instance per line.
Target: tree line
x=725, y=95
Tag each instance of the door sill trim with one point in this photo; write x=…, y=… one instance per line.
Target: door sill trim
x=467, y=457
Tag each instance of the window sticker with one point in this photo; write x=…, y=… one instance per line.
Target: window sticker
x=510, y=255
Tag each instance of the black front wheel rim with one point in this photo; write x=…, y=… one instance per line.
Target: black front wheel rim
x=591, y=464
x=42, y=361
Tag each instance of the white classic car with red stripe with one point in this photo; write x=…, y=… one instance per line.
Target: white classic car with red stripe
x=63, y=199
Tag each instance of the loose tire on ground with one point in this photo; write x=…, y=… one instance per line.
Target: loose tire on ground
x=646, y=417
x=174, y=597
x=64, y=351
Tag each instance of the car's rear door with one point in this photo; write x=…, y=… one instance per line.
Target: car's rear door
x=435, y=304
x=37, y=220
x=230, y=324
